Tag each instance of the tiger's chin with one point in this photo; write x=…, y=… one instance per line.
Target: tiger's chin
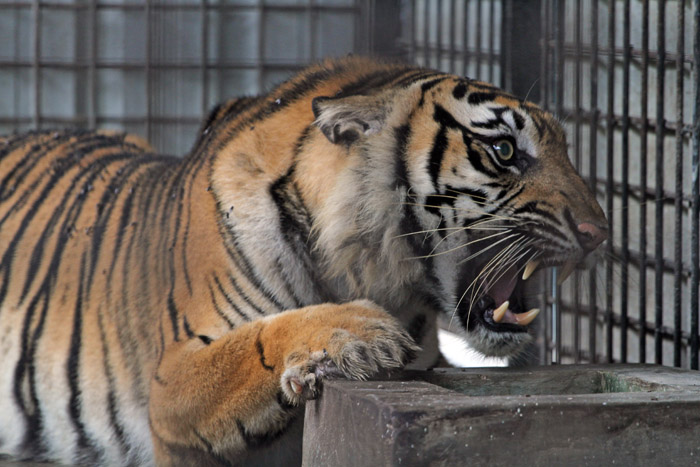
x=496, y=316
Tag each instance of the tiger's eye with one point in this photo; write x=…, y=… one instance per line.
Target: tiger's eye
x=504, y=149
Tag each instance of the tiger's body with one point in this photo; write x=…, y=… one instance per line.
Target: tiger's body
x=172, y=311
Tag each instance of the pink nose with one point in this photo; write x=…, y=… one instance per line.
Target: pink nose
x=590, y=235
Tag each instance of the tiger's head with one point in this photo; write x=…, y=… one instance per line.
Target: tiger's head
x=464, y=191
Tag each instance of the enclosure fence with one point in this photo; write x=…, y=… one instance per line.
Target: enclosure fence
x=620, y=75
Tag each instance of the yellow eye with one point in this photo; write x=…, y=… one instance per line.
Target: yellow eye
x=504, y=149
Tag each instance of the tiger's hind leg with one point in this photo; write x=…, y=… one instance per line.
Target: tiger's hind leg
x=239, y=392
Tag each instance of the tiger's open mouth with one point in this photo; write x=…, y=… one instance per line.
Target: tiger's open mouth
x=499, y=303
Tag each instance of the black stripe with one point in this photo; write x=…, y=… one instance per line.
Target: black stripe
x=531, y=207
x=206, y=339
x=261, y=354
x=489, y=124
x=506, y=201
x=229, y=300
x=436, y=155
x=427, y=86
x=401, y=134
x=417, y=75
x=519, y=120
x=25, y=375
x=477, y=98
x=295, y=225
x=173, y=313
x=234, y=283
x=372, y=81
x=240, y=261
x=122, y=225
x=218, y=309
x=477, y=195
x=73, y=370
x=552, y=231
x=460, y=90
x=409, y=221
x=117, y=428
x=207, y=444
x=186, y=326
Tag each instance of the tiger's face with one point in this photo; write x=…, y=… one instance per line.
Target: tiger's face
x=502, y=200
x=487, y=195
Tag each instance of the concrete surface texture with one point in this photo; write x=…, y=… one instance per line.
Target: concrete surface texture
x=567, y=415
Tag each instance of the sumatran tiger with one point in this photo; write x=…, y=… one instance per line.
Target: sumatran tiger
x=162, y=310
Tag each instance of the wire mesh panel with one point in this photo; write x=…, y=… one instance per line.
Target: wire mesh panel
x=622, y=78
x=620, y=74
x=154, y=67
x=457, y=36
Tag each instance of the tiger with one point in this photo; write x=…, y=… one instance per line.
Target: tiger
x=158, y=310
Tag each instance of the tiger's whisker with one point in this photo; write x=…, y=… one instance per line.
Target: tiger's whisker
x=431, y=254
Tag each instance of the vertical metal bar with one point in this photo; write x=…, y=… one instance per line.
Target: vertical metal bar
x=36, y=65
x=492, y=36
x=544, y=67
x=659, y=226
x=412, y=31
x=452, y=38
x=593, y=180
x=544, y=93
x=203, y=64
x=312, y=30
x=644, y=111
x=558, y=17
x=147, y=69
x=260, y=8
x=609, y=180
x=556, y=320
x=624, y=214
x=678, y=206
x=695, y=212
x=426, y=33
x=368, y=35
x=559, y=58
x=438, y=36
x=370, y=25
x=465, y=40
x=92, y=69
x=577, y=161
x=505, y=58
x=477, y=40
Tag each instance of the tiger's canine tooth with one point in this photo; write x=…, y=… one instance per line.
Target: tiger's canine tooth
x=499, y=312
x=526, y=318
x=565, y=271
x=530, y=267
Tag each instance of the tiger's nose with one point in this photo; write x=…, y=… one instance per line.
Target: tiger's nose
x=590, y=235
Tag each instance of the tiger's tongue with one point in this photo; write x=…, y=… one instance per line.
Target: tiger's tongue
x=501, y=290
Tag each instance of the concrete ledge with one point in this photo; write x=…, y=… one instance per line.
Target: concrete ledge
x=566, y=415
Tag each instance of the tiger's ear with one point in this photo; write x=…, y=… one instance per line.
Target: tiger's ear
x=345, y=120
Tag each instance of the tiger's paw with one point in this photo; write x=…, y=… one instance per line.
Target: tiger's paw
x=356, y=348
x=302, y=382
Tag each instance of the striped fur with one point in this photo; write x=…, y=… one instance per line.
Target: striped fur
x=179, y=311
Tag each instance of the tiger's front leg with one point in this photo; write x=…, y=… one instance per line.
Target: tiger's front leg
x=215, y=401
